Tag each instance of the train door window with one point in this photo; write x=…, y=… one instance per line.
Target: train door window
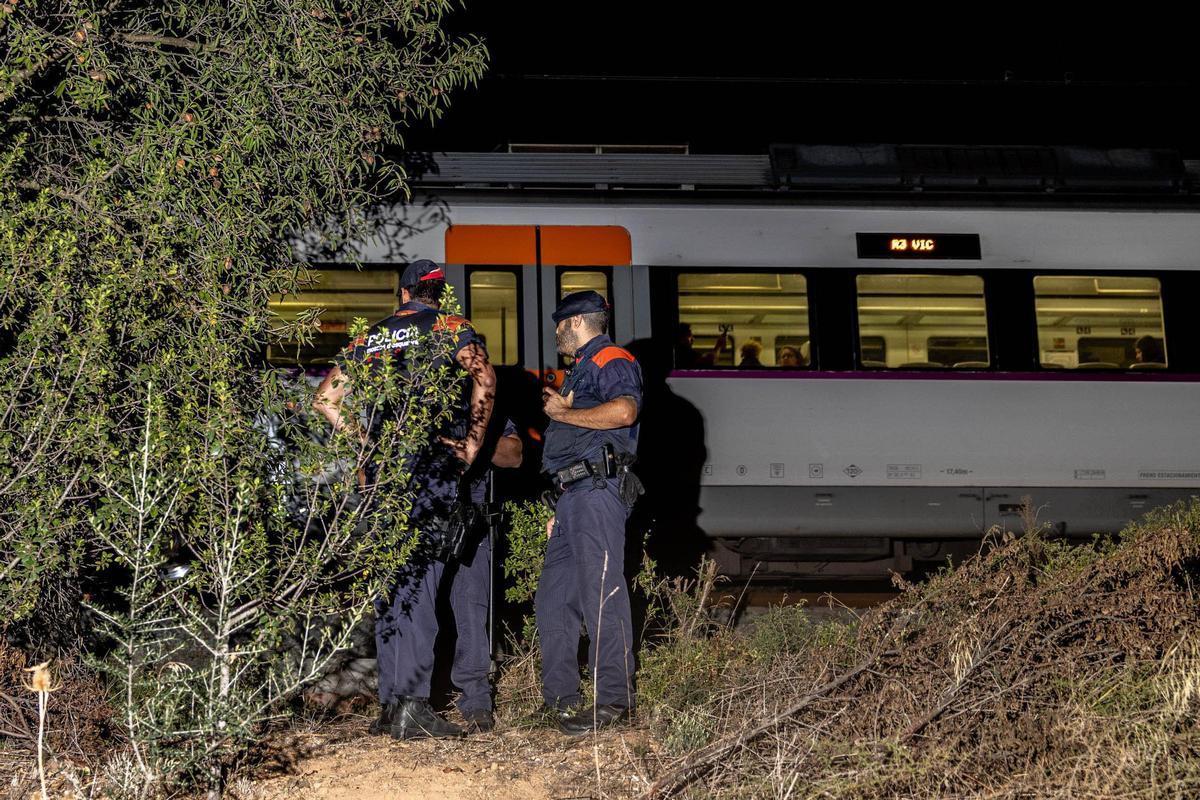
x=337, y=297
x=742, y=319
x=494, y=308
x=1099, y=322
x=922, y=322
x=579, y=280
x=597, y=280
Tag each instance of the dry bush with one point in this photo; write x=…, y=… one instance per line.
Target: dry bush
x=518, y=687
x=1039, y=669
x=78, y=718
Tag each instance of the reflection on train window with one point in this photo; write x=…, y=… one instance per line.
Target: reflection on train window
x=742, y=319
x=341, y=295
x=581, y=280
x=493, y=304
x=874, y=351
x=925, y=322
x=1099, y=322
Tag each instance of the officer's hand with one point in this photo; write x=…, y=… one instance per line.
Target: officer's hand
x=464, y=450
x=554, y=404
x=550, y=526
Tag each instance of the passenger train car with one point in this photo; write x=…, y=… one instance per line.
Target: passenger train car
x=958, y=353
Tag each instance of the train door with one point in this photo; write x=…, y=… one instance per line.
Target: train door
x=510, y=277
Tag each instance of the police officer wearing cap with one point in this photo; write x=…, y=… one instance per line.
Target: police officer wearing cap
x=406, y=621
x=589, y=446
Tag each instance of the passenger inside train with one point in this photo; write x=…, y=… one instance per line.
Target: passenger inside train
x=789, y=357
x=751, y=355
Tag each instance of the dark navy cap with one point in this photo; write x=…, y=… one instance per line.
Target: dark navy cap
x=585, y=302
x=421, y=270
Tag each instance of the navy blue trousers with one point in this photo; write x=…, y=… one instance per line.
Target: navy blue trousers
x=470, y=595
x=583, y=586
x=406, y=625
x=405, y=630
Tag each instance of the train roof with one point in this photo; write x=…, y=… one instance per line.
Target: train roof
x=935, y=174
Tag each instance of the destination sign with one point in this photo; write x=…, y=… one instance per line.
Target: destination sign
x=919, y=245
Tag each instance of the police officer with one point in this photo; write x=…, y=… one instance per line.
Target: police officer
x=589, y=445
x=406, y=621
x=471, y=600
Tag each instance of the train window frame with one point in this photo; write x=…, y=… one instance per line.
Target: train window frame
x=510, y=269
x=671, y=306
x=320, y=362
x=1166, y=283
x=922, y=269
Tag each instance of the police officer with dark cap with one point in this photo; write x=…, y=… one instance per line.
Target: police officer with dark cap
x=406, y=621
x=589, y=446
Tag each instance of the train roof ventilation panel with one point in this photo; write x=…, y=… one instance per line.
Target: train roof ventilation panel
x=1120, y=169
x=836, y=165
x=600, y=149
x=598, y=171
x=1012, y=168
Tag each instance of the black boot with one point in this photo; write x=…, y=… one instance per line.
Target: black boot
x=555, y=716
x=479, y=721
x=416, y=719
x=383, y=723
x=592, y=719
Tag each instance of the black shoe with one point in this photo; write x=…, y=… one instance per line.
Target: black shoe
x=550, y=715
x=415, y=719
x=479, y=721
x=592, y=719
x=383, y=723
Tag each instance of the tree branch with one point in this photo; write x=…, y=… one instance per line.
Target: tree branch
x=165, y=41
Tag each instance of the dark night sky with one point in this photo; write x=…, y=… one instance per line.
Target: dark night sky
x=747, y=74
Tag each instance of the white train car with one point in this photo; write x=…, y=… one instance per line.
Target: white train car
x=954, y=357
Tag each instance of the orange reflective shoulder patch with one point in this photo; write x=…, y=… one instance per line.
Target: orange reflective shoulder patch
x=612, y=353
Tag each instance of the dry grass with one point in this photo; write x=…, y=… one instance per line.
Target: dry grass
x=1036, y=670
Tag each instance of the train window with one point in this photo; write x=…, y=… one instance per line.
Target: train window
x=742, y=319
x=494, y=307
x=922, y=322
x=1099, y=322
x=581, y=280
x=340, y=295
x=957, y=349
x=874, y=350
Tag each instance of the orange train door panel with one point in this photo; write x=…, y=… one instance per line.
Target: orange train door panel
x=491, y=244
x=553, y=245
x=586, y=245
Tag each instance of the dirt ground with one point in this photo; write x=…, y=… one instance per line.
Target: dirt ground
x=342, y=762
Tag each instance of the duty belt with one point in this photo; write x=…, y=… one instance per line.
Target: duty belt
x=579, y=471
x=610, y=465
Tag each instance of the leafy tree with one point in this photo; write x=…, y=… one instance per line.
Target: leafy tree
x=158, y=165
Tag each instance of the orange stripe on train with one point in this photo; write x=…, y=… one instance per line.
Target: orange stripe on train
x=610, y=353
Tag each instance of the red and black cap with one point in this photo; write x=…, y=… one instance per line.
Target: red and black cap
x=421, y=270
x=585, y=302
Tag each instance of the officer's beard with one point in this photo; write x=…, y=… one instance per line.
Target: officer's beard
x=565, y=341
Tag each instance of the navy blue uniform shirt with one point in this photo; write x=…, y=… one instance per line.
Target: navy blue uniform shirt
x=391, y=337
x=602, y=372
